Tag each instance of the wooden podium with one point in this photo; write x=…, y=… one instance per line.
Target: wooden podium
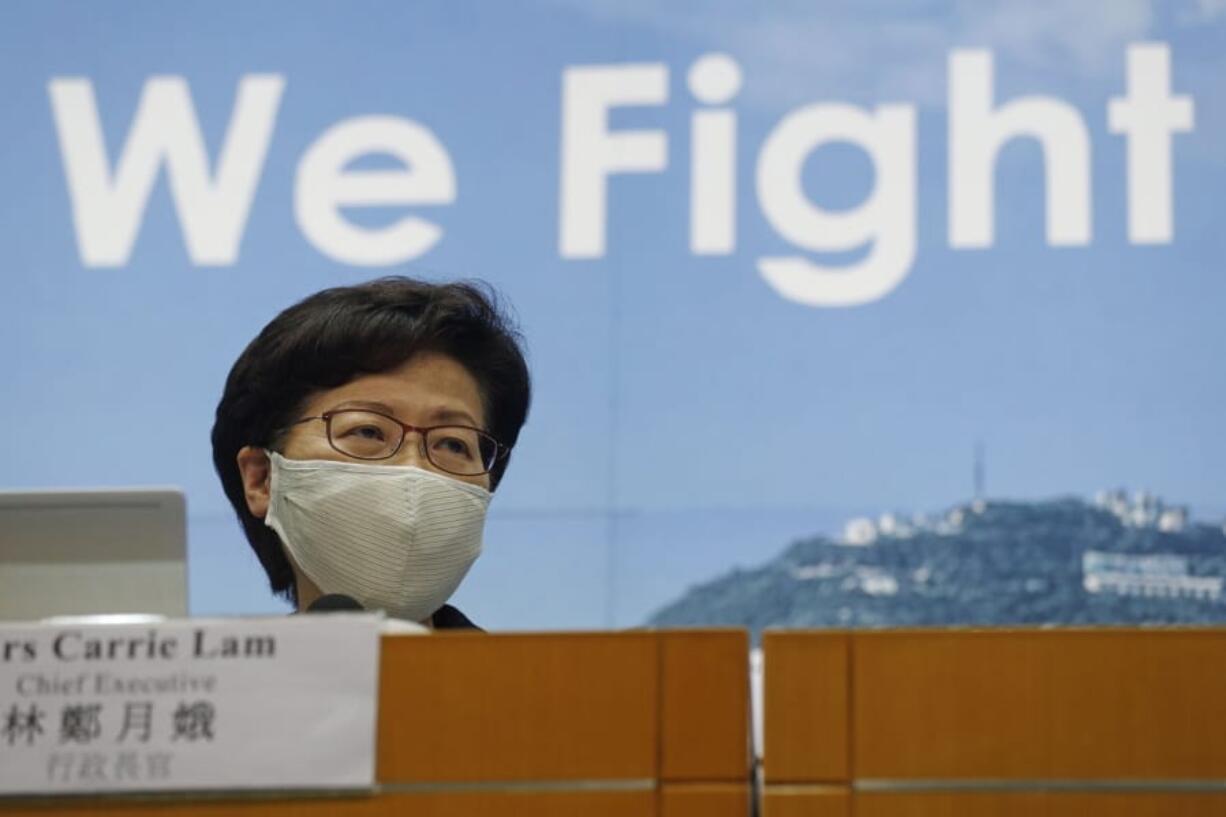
x=963, y=723
x=924, y=723
x=634, y=724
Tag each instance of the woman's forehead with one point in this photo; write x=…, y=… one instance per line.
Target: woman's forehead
x=428, y=387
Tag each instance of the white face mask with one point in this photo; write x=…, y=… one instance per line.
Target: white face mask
x=396, y=538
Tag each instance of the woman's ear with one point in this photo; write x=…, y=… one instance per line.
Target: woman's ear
x=254, y=467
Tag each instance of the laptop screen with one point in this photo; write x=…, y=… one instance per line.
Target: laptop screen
x=80, y=552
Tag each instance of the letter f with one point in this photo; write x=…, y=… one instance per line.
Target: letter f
x=590, y=153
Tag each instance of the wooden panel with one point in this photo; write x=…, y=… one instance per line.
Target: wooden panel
x=805, y=709
x=704, y=717
x=704, y=800
x=1132, y=804
x=527, y=804
x=1040, y=704
x=474, y=804
x=806, y=801
x=474, y=707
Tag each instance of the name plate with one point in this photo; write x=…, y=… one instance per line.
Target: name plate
x=266, y=703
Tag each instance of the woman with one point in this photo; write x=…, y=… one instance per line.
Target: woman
x=360, y=436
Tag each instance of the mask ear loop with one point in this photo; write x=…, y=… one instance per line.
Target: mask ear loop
x=272, y=461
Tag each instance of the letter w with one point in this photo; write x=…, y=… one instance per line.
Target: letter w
x=107, y=208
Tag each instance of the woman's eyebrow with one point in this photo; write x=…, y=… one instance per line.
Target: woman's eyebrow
x=372, y=405
x=443, y=414
x=450, y=415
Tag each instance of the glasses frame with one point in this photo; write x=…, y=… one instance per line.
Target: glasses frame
x=500, y=449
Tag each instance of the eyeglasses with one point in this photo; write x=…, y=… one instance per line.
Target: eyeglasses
x=369, y=435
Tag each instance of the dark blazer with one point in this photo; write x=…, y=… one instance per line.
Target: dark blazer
x=449, y=618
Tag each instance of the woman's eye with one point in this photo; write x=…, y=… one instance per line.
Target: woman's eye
x=454, y=445
x=366, y=432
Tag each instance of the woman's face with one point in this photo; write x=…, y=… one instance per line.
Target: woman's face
x=429, y=389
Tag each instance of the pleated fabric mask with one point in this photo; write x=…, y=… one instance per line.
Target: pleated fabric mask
x=396, y=538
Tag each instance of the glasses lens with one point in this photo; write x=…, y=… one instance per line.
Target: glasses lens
x=461, y=450
x=364, y=434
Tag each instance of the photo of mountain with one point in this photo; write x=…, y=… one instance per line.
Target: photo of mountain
x=1066, y=561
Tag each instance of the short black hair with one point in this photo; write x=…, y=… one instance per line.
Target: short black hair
x=338, y=334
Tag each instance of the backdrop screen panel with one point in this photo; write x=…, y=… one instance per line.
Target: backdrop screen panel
x=838, y=315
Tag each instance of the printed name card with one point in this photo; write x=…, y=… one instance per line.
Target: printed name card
x=268, y=703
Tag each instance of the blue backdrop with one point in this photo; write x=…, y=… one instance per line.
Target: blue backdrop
x=1001, y=224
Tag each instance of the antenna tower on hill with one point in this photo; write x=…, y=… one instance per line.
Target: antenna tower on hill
x=980, y=470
